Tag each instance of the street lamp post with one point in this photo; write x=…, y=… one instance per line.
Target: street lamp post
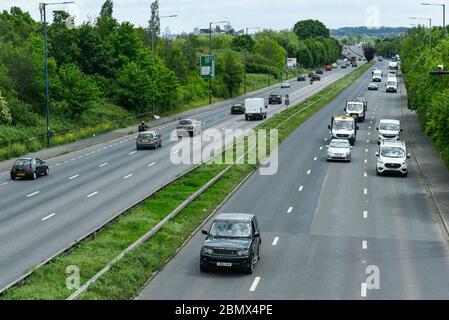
x=43, y=11
x=210, y=57
x=443, y=5
x=244, y=59
x=152, y=56
x=430, y=26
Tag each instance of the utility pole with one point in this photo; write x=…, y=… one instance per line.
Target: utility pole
x=443, y=5
x=43, y=11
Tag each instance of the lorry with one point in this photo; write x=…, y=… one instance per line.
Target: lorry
x=255, y=108
x=344, y=127
x=377, y=76
x=393, y=66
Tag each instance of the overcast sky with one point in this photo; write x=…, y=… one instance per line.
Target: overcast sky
x=274, y=14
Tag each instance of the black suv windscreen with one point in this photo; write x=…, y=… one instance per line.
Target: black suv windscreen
x=230, y=229
x=185, y=122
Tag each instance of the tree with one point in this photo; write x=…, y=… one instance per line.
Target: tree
x=369, y=53
x=232, y=71
x=154, y=22
x=5, y=113
x=107, y=9
x=75, y=90
x=243, y=42
x=310, y=28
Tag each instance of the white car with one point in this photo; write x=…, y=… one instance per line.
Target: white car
x=392, y=158
x=339, y=150
x=285, y=84
x=255, y=108
x=389, y=130
x=334, y=66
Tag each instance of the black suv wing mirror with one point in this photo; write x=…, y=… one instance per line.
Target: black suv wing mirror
x=257, y=234
x=205, y=232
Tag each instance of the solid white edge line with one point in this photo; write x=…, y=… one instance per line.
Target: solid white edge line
x=254, y=285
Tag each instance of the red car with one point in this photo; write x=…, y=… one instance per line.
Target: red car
x=328, y=67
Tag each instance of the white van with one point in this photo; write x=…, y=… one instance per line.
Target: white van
x=377, y=76
x=255, y=109
x=392, y=84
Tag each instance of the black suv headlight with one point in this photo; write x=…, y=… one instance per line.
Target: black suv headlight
x=243, y=253
x=206, y=250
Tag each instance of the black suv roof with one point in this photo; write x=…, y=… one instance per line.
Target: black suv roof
x=235, y=216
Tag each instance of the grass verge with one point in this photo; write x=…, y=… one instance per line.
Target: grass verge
x=126, y=278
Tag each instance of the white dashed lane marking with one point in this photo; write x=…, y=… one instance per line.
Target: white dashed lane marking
x=92, y=194
x=290, y=210
x=33, y=194
x=275, y=241
x=301, y=188
x=254, y=285
x=74, y=177
x=152, y=164
x=128, y=176
x=48, y=217
x=103, y=165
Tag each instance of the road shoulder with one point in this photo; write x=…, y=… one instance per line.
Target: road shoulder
x=430, y=163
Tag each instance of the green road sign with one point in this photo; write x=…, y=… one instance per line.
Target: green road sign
x=207, y=65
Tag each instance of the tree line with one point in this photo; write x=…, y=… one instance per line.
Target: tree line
x=104, y=70
x=428, y=94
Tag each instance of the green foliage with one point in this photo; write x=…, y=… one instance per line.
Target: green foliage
x=388, y=47
x=5, y=114
x=243, y=42
x=232, y=72
x=428, y=94
x=306, y=29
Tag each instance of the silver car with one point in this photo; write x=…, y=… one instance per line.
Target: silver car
x=339, y=150
x=188, y=127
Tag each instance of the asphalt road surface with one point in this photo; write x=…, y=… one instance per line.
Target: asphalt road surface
x=88, y=187
x=325, y=225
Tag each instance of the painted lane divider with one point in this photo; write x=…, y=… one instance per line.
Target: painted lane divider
x=103, y=165
x=254, y=285
x=275, y=241
x=74, y=177
x=290, y=210
x=92, y=194
x=48, y=217
x=33, y=194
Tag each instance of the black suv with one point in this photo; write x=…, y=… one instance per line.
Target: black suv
x=275, y=98
x=233, y=242
x=238, y=108
x=301, y=78
x=29, y=168
x=316, y=77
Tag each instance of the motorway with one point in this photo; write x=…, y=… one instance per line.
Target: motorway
x=324, y=225
x=87, y=188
